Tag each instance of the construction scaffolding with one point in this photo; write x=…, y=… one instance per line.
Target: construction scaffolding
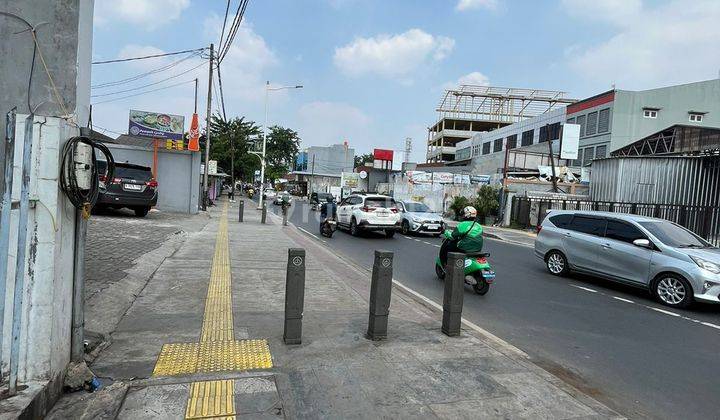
x=471, y=109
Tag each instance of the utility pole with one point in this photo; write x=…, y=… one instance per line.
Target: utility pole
x=312, y=174
x=552, y=158
x=262, y=161
x=207, y=130
x=196, y=89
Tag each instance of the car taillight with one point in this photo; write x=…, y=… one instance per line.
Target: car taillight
x=538, y=228
x=367, y=209
x=394, y=210
x=152, y=184
x=482, y=260
x=102, y=178
x=116, y=180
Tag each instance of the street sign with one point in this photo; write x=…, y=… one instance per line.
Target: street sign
x=570, y=141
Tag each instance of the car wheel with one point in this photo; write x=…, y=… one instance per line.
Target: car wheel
x=354, y=231
x=141, y=211
x=673, y=290
x=405, y=227
x=556, y=263
x=389, y=233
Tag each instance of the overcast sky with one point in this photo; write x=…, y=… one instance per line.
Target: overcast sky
x=374, y=70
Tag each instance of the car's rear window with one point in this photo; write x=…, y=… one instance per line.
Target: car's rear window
x=132, y=173
x=380, y=202
x=589, y=225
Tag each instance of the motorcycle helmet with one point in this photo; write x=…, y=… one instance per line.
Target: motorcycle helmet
x=469, y=212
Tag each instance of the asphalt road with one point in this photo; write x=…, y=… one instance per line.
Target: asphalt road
x=613, y=342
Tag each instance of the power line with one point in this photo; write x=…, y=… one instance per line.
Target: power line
x=143, y=93
x=233, y=29
x=149, y=84
x=222, y=34
x=120, y=60
x=145, y=74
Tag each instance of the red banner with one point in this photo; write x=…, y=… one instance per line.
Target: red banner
x=194, y=143
x=382, y=154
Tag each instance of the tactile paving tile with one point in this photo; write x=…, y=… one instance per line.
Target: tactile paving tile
x=211, y=399
x=218, y=356
x=177, y=359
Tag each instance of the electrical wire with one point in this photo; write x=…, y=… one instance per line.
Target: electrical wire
x=143, y=93
x=150, y=84
x=83, y=199
x=145, y=74
x=121, y=60
x=222, y=33
x=233, y=29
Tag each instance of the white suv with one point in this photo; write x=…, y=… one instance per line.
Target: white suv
x=369, y=212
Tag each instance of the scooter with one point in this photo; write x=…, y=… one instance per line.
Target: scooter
x=250, y=193
x=478, y=272
x=328, y=227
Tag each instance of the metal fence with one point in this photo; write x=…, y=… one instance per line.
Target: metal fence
x=703, y=220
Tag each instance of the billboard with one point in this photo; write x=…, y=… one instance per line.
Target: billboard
x=443, y=177
x=156, y=125
x=350, y=180
x=383, y=154
x=570, y=141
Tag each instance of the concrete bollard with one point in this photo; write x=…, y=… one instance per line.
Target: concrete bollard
x=454, y=292
x=263, y=216
x=241, y=210
x=380, y=295
x=294, y=296
x=285, y=213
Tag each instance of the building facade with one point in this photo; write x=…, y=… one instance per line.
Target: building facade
x=318, y=168
x=608, y=121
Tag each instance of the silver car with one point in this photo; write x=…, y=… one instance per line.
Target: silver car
x=417, y=217
x=674, y=264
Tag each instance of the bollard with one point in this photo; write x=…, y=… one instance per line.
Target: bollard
x=241, y=210
x=294, y=296
x=380, y=295
x=263, y=217
x=285, y=213
x=453, y=296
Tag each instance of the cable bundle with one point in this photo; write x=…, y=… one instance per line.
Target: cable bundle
x=83, y=199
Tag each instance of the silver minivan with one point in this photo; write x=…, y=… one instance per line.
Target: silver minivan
x=674, y=264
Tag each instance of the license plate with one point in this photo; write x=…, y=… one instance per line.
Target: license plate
x=433, y=227
x=133, y=187
x=383, y=214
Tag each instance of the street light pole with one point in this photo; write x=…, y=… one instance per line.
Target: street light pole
x=262, y=156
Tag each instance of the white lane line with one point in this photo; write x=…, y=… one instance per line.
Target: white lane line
x=707, y=324
x=436, y=246
x=587, y=289
x=309, y=233
x=426, y=242
x=662, y=311
x=622, y=299
x=417, y=240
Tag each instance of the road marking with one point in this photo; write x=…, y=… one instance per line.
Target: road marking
x=707, y=324
x=417, y=240
x=309, y=233
x=622, y=299
x=426, y=242
x=587, y=289
x=662, y=311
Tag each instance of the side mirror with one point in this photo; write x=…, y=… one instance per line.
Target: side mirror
x=642, y=243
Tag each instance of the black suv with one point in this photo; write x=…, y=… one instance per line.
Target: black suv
x=132, y=186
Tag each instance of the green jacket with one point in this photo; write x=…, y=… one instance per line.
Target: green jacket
x=471, y=234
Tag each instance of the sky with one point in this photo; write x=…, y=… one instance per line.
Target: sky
x=374, y=71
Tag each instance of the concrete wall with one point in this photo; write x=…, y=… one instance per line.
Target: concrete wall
x=674, y=102
x=178, y=175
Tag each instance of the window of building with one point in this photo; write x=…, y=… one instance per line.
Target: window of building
x=604, y=121
x=578, y=161
x=600, y=152
x=571, y=120
x=696, y=117
x=512, y=141
x=549, y=132
x=650, y=113
x=581, y=122
x=527, y=138
x=486, y=148
x=588, y=155
x=497, y=145
x=591, y=123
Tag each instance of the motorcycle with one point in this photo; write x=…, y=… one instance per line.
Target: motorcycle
x=250, y=193
x=328, y=227
x=478, y=272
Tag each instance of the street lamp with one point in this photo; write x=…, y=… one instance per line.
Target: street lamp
x=262, y=157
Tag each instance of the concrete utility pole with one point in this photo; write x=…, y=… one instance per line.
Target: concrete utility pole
x=207, y=130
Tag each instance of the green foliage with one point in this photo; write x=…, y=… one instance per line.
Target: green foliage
x=282, y=146
x=231, y=136
x=486, y=203
x=362, y=159
x=457, y=205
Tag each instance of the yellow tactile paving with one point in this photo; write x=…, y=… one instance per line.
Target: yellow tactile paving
x=217, y=350
x=211, y=399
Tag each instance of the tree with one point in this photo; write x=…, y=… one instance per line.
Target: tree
x=283, y=145
x=233, y=132
x=360, y=160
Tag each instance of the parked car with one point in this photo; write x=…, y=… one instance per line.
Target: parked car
x=368, y=212
x=418, y=218
x=674, y=264
x=132, y=186
x=269, y=194
x=282, y=196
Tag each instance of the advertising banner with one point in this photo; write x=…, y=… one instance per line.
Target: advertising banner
x=419, y=177
x=194, y=143
x=570, y=141
x=350, y=180
x=480, y=179
x=156, y=125
x=443, y=177
x=461, y=179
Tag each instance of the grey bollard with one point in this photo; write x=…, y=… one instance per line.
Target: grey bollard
x=454, y=292
x=380, y=295
x=285, y=214
x=241, y=210
x=294, y=296
x=263, y=216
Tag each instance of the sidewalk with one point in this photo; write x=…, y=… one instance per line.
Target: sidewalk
x=516, y=236
x=199, y=342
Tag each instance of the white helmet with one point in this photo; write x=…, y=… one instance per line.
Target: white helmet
x=469, y=212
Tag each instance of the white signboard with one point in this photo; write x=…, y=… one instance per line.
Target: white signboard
x=349, y=180
x=419, y=177
x=570, y=141
x=443, y=177
x=461, y=179
x=212, y=167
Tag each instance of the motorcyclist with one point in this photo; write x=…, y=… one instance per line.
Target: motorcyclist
x=467, y=236
x=328, y=209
